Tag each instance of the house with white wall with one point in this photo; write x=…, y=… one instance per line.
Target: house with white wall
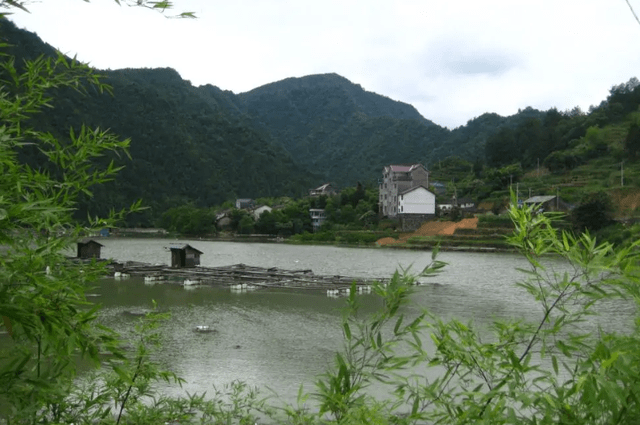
x=318, y=218
x=397, y=178
x=416, y=205
x=405, y=195
x=417, y=200
x=258, y=210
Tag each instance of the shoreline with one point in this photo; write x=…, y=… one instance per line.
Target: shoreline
x=444, y=244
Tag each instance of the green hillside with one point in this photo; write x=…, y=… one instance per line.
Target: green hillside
x=188, y=145
x=572, y=156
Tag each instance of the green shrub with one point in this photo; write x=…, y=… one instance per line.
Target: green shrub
x=492, y=220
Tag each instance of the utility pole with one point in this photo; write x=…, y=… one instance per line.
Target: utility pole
x=622, y=174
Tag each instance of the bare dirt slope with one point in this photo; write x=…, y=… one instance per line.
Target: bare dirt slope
x=626, y=201
x=433, y=228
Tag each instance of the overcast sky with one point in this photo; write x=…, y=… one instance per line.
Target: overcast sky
x=453, y=60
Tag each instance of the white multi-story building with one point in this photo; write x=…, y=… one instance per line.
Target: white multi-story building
x=405, y=194
x=396, y=179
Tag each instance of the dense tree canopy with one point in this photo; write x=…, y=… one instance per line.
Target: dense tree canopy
x=594, y=212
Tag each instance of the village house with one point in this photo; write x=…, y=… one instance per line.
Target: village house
x=439, y=187
x=325, y=189
x=405, y=195
x=548, y=203
x=223, y=218
x=318, y=218
x=465, y=204
x=397, y=179
x=245, y=203
x=258, y=210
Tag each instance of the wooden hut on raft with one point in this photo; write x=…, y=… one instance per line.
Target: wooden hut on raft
x=88, y=248
x=184, y=255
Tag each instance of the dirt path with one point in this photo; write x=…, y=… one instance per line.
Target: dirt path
x=433, y=228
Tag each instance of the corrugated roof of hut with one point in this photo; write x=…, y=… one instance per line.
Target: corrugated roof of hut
x=86, y=241
x=184, y=246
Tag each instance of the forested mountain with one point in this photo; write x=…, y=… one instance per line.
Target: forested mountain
x=188, y=145
x=336, y=128
x=469, y=141
x=204, y=145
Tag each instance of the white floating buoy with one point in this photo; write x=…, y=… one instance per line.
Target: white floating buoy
x=238, y=288
x=364, y=289
x=333, y=293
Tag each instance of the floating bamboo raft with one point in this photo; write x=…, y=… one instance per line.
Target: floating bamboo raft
x=239, y=274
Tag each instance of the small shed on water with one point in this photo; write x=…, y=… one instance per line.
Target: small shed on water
x=88, y=248
x=184, y=255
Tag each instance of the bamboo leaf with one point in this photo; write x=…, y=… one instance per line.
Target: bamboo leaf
x=347, y=330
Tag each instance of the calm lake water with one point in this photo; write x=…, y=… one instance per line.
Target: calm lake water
x=279, y=339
